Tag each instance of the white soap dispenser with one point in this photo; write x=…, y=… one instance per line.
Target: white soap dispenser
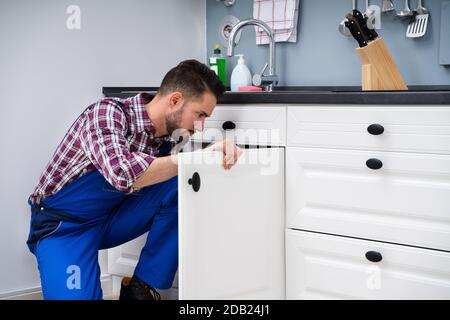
x=241, y=76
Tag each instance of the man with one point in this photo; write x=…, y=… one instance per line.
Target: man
x=105, y=186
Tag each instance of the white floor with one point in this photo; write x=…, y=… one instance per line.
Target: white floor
x=110, y=287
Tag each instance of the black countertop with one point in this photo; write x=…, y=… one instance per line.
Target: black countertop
x=416, y=95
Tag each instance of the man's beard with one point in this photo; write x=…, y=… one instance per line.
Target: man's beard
x=173, y=120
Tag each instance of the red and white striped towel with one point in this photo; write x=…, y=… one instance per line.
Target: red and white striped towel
x=280, y=15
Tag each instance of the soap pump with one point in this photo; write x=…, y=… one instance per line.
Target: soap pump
x=241, y=76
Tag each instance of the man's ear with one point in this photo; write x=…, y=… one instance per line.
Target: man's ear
x=175, y=99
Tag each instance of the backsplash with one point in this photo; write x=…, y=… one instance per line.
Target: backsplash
x=322, y=56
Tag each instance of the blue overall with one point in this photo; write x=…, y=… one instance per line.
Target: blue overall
x=68, y=228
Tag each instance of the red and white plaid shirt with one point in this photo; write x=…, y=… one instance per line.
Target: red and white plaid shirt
x=114, y=136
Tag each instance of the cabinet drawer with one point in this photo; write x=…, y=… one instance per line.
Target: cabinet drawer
x=255, y=125
x=406, y=201
x=406, y=128
x=322, y=266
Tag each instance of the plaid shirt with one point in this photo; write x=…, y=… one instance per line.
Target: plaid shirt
x=114, y=136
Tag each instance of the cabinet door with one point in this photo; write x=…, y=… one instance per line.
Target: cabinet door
x=320, y=266
x=231, y=230
x=406, y=201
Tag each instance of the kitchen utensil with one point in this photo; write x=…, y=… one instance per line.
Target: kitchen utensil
x=342, y=28
x=373, y=16
x=356, y=23
x=368, y=14
x=227, y=3
x=420, y=8
x=387, y=6
x=406, y=12
x=379, y=71
x=418, y=26
x=375, y=22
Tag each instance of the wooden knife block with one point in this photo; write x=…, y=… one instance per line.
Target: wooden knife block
x=379, y=71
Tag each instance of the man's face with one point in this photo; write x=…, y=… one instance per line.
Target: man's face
x=189, y=114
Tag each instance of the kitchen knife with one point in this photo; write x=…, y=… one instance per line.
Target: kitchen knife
x=372, y=34
x=358, y=28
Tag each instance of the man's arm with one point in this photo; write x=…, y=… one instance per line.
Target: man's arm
x=161, y=169
x=105, y=145
x=164, y=168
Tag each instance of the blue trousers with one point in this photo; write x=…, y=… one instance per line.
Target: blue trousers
x=87, y=215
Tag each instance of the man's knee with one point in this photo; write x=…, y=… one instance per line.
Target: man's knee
x=68, y=263
x=62, y=280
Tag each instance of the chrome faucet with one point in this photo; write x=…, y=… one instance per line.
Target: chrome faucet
x=270, y=80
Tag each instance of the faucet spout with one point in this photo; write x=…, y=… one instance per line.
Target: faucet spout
x=268, y=30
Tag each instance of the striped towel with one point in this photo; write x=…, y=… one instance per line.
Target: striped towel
x=280, y=15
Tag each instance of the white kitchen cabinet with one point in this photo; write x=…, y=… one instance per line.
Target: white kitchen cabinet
x=320, y=266
x=231, y=231
x=345, y=184
x=406, y=201
x=246, y=124
x=422, y=129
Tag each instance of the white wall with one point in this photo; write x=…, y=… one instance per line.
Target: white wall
x=49, y=74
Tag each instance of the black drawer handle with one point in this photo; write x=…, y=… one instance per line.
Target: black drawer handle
x=374, y=164
x=228, y=125
x=375, y=129
x=374, y=256
x=195, y=181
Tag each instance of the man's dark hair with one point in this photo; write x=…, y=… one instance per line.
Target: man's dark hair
x=192, y=78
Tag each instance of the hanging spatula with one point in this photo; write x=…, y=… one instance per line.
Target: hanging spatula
x=418, y=26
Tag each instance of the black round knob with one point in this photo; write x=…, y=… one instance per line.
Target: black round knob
x=374, y=164
x=228, y=125
x=195, y=181
x=374, y=256
x=375, y=129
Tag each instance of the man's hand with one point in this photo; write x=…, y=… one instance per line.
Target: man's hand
x=230, y=151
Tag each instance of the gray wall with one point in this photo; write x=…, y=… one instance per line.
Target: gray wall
x=322, y=56
x=49, y=74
